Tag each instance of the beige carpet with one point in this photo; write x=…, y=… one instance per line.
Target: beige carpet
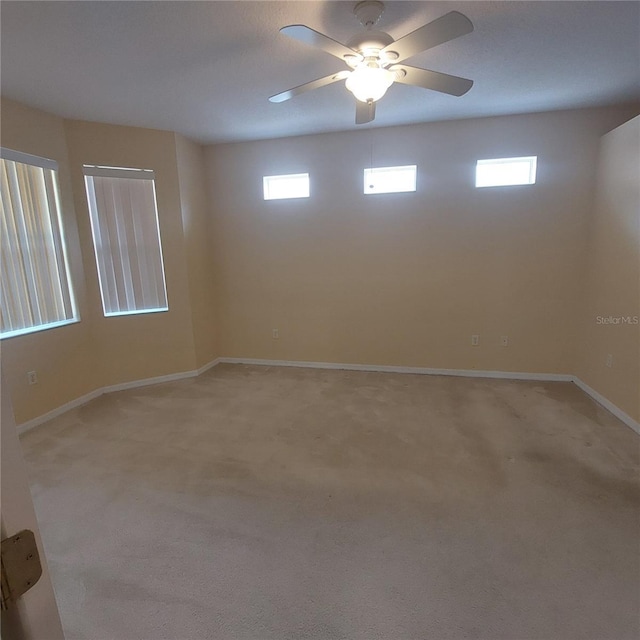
x=260, y=502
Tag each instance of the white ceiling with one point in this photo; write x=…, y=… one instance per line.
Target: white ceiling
x=206, y=69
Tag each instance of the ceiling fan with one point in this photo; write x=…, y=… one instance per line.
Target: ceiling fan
x=375, y=58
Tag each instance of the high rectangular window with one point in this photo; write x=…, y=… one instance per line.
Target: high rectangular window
x=390, y=179
x=126, y=239
x=36, y=286
x=506, y=172
x=294, y=185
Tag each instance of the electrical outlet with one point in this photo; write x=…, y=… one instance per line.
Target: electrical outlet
x=609, y=361
x=475, y=340
x=32, y=377
x=504, y=341
x=275, y=334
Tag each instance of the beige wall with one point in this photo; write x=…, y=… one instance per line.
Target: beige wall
x=63, y=358
x=613, y=273
x=400, y=279
x=136, y=346
x=406, y=279
x=196, y=228
x=74, y=360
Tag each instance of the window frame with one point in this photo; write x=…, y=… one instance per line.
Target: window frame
x=91, y=171
x=266, y=180
x=58, y=240
x=370, y=173
x=533, y=170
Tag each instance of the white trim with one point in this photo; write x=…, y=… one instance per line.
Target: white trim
x=145, y=382
x=133, y=312
x=27, y=158
x=38, y=327
x=370, y=188
x=532, y=161
x=305, y=192
x=54, y=413
x=608, y=405
x=98, y=171
x=468, y=373
x=207, y=366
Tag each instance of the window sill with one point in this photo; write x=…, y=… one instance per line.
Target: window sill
x=43, y=327
x=135, y=312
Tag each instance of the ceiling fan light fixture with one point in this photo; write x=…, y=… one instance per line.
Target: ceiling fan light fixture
x=373, y=58
x=369, y=84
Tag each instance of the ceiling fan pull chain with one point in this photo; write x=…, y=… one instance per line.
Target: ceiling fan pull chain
x=371, y=158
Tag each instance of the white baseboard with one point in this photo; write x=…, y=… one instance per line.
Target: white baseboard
x=467, y=373
x=133, y=384
x=207, y=366
x=608, y=405
x=54, y=413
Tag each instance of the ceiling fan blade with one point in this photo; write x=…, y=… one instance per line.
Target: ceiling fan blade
x=316, y=39
x=365, y=112
x=314, y=84
x=434, y=80
x=449, y=26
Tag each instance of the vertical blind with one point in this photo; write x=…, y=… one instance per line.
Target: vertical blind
x=36, y=289
x=126, y=238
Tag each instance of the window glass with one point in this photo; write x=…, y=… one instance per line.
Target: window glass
x=126, y=239
x=294, y=185
x=504, y=172
x=36, y=287
x=390, y=179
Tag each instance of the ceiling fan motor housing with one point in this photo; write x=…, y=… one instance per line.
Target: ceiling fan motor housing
x=368, y=12
x=373, y=56
x=370, y=43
